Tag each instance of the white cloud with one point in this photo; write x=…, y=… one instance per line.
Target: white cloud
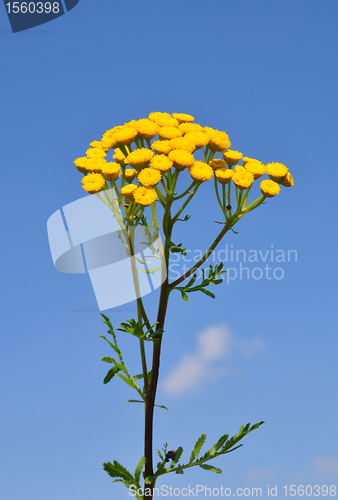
x=264, y=474
x=327, y=464
x=213, y=344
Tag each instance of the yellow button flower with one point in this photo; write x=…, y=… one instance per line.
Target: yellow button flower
x=218, y=140
x=95, y=164
x=181, y=159
x=256, y=168
x=161, y=163
x=145, y=196
x=119, y=157
x=269, y=188
x=149, y=177
x=190, y=127
x=169, y=132
x=243, y=180
x=246, y=160
x=139, y=158
x=108, y=140
x=224, y=175
x=93, y=183
x=128, y=190
x=96, y=144
x=126, y=135
x=95, y=153
x=276, y=171
x=183, y=143
x=81, y=164
x=146, y=128
x=163, y=119
x=161, y=147
x=216, y=163
x=183, y=118
x=201, y=171
x=239, y=168
x=232, y=157
x=130, y=174
x=200, y=139
x=287, y=180
x=111, y=171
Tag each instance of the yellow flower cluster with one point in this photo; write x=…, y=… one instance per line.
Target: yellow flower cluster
x=175, y=138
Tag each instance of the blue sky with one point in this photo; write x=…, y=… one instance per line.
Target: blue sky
x=265, y=72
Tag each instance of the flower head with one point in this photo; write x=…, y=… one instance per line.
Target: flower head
x=95, y=164
x=96, y=144
x=269, y=188
x=145, y=196
x=190, y=127
x=161, y=163
x=139, y=158
x=163, y=119
x=130, y=174
x=218, y=140
x=232, y=157
x=243, y=180
x=161, y=147
x=256, y=168
x=201, y=171
x=119, y=157
x=216, y=163
x=108, y=139
x=276, y=171
x=95, y=153
x=128, y=190
x=81, y=164
x=200, y=139
x=287, y=180
x=111, y=171
x=224, y=175
x=149, y=177
x=126, y=135
x=93, y=183
x=146, y=128
x=169, y=132
x=246, y=160
x=183, y=118
x=181, y=159
x=182, y=143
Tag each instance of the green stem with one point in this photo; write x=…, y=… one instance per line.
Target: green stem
x=186, y=202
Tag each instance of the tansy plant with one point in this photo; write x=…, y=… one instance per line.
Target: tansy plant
x=154, y=170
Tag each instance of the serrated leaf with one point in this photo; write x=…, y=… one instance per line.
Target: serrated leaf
x=199, y=443
x=217, y=445
x=111, y=373
x=149, y=479
x=211, y=468
x=117, y=470
x=179, y=470
x=138, y=470
x=178, y=455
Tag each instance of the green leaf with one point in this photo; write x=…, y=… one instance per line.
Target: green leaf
x=177, y=456
x=211, y=468
x=129, y=382
x=187, y=217
x=199, y=443
x=179, y=470
x=185, y=296
x=176, y=248
x=107, y=359
x=111, y=373
x=149, y=479
x=138, y=470
x=207, y=292
x=117, y=470
x=161, y=406
x=133, y=401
